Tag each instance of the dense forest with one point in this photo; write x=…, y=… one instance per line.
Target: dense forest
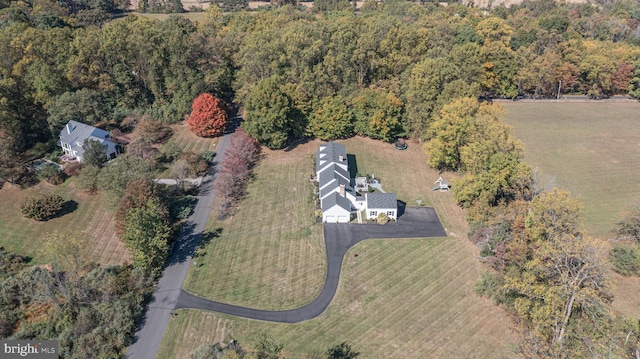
x=383, y=72
x=389, y=70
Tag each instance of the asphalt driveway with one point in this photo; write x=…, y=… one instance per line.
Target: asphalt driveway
x=414, y=223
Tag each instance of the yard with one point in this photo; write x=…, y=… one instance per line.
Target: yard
x=404, y=298
x=187, y=141
x=25, y=236
x=593, y=150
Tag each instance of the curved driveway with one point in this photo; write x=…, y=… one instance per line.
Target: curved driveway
x=338, y=238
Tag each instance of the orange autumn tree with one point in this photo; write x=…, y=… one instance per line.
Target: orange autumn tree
x=208, y=117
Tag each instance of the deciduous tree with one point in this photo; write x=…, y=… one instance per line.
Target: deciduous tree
x=378, y=114
x=268, y=114
x=84, y=105
x=114, y=177
x=147, y=234
x=332, y=119
x=208, y=117
x=342, y=351
x=93, y=153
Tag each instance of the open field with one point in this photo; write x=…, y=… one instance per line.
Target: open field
x=593, y=150
x=401, y=298
x=193, y=16
x=24, y=236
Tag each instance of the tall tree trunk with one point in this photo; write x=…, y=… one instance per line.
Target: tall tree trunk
x=567, y=314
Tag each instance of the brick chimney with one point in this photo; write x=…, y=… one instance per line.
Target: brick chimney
x=342, y=190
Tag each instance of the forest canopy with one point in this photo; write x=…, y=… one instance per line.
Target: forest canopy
x=57, y=65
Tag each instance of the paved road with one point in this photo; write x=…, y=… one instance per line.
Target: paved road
x=338, y=238
x=149, y=334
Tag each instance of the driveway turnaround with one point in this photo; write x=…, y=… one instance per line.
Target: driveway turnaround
x=147, y=338
x=414, y=223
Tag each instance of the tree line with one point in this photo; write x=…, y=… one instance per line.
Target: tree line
x=550, y=275
x=383, y=73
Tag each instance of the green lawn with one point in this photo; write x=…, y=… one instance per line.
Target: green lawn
x=591, y=149
x=91, y=217
x=187, y=141
x=271, y=253
x=402, y=298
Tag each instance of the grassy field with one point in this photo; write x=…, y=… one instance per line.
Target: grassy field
x=187, y=141
x=593, y=150
x=24, y=236
x=404, y=298
x=271, y=253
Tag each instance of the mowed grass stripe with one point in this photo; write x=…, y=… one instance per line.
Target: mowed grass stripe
x=399, y=298
x=269, y=265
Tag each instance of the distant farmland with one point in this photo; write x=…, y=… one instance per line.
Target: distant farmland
x=591, y=149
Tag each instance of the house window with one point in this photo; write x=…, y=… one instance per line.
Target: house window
x=391, y=213
x=373, y=213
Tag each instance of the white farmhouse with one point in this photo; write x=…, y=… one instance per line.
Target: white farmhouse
x=74, y=134
x=339, y=201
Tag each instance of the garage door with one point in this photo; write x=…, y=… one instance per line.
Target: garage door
x=343, y=219
x=330, y=219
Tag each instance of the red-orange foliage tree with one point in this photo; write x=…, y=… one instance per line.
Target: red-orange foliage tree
x=208, y=117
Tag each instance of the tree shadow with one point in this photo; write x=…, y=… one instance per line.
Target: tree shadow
x=189, y=242
x=234, y=122
x=67, y=207
x=207, y=236
x=291, y=145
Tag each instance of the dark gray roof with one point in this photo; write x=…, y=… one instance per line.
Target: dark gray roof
x=331, y=172
x=75, y=133
x=336, y=199
x=326, y=177
x=335, y=184
x=341, y=171
x=330, y=152
x=381, y=200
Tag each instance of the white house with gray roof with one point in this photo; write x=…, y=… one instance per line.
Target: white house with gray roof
x=338, y=199
x=74, y=134
x=381, y=203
